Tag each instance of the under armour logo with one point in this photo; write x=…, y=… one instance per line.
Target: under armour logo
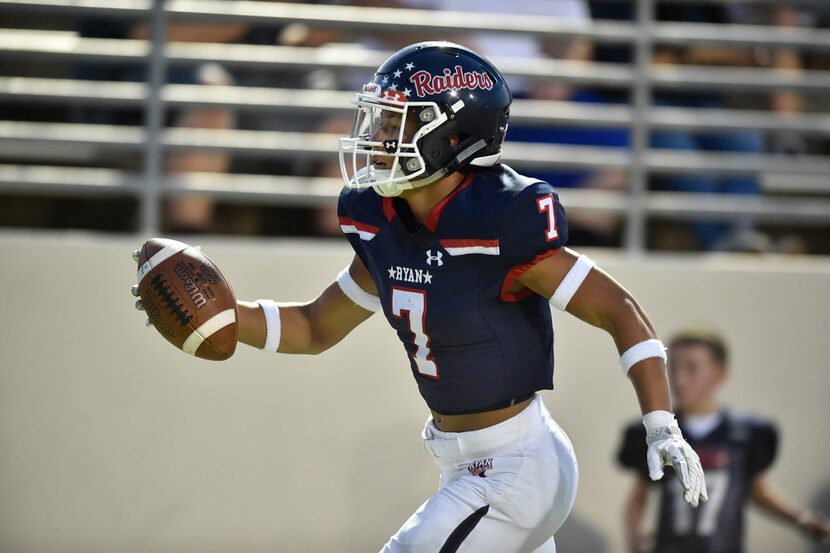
x=436, y=258
x=391, y=146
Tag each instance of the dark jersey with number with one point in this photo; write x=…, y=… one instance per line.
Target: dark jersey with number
x=443, y=285
x=737, y=450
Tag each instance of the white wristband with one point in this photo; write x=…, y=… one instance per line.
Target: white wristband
x=357, y=294
x=640, y=351
x=273, y=324
x=571, y=283
x=657, y=419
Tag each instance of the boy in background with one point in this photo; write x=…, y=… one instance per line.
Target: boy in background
x=735, y=452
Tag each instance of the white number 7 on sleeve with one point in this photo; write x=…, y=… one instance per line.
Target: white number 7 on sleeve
x=545, y=203
x=414, y=303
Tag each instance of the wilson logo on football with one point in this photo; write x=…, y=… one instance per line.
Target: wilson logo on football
x=427, y=83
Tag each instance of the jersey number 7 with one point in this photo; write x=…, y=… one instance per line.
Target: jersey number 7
x=545, y=204
x=414, y=304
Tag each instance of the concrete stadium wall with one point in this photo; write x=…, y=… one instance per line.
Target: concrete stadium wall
x=112, y=441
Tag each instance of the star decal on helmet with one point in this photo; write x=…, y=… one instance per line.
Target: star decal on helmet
x=409, y=66
x=407, y=91
x=397, y=73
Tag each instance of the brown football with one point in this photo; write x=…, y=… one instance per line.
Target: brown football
x=187, y=299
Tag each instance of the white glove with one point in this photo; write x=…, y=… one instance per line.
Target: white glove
x=666, y=447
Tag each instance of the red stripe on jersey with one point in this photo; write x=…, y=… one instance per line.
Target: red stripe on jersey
x=432, y=220
x=358, y=225
x=388, y=209
x=515, y=272
x=469, y=243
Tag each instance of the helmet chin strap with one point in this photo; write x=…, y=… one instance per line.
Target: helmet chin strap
x=388, y=189
x=391, y=190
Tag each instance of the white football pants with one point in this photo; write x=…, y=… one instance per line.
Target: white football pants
x=503, y=489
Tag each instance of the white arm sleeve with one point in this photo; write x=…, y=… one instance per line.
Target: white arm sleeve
x=572, y=281
x=357, y=294
x=273, y=324
x=642, y=350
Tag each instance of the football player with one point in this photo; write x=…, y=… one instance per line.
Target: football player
x=735, y=452
x=464, y=256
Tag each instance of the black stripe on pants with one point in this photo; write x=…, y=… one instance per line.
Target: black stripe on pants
x=463, y=530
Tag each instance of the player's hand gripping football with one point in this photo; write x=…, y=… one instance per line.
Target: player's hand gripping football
x=666, y=447
x=134, y=291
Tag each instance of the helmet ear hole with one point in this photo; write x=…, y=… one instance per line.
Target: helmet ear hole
x=426, y=115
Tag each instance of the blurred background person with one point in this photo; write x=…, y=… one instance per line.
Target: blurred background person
x=741, y=234
x=185, y=214
x=735, y=451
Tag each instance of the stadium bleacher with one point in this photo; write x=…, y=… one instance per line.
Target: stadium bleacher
x=53, y=151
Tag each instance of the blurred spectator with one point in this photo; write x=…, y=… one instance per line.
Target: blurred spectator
x=820, y=60
x=187, y=213
x=709, y=234
x=741, y=234
x=587, y=229
x=527, y=47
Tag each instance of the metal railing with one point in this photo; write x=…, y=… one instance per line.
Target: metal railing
x=641, y=78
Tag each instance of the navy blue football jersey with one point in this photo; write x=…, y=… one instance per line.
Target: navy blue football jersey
x=444, y=285
x=732, y=455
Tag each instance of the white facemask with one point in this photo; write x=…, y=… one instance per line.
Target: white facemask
x=376, y=154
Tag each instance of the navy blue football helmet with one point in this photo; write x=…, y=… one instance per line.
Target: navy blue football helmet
x=433, y=108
